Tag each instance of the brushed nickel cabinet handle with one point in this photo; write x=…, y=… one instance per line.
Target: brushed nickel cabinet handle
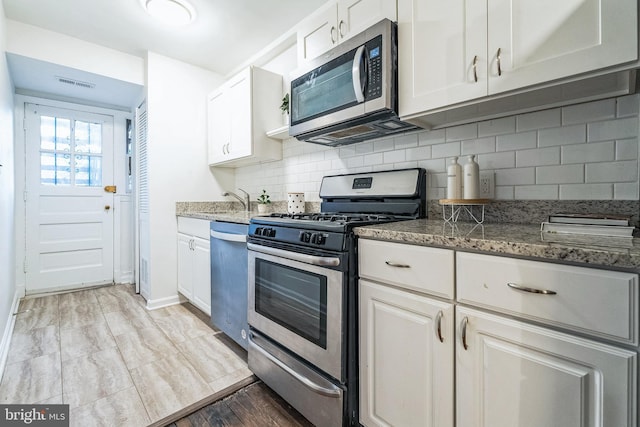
x=531, y=290
x=475, y=68
x=340, y=27
x=439, y=328
x=498, y=58
x=398, y=265
x=463, y=327
x=333, y=30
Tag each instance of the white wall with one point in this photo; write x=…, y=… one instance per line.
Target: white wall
x=45, y=45
x=580, y=152
x=7, y=195
x=178, y=167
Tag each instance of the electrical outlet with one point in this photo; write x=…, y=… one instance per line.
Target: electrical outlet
x=487, y=185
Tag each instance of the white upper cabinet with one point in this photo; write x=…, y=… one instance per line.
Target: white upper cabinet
x=452, y=51
x=239, y=114
x=339, y=21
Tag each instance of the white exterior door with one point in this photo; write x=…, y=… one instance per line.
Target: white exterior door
x=69, y=215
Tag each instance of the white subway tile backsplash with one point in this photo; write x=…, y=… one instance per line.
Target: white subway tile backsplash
x=458, y=133
x=405, y=141
x=562, y=136
x=497, y=160
x=538, y=120
x=419, y=153
x=624, y=171
x=477, y=146
x=383, y=145
x=501, y=126
x=588, y=153
x=372, y=159
x=627, y=149
x=504, y=193
x=445, y=150
x=627, y=105
x=536, y=192
x=569, y=174
x=394, y=156
x=586, y=192
x=538, y=157
x=520, y=176
x=431, y=137
x=589, y=112
x=613, y=129
x=434, y=165
x=625, y=191
x=516, y=141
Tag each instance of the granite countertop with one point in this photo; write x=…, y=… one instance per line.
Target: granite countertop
x=240, y=217
x=511, y=239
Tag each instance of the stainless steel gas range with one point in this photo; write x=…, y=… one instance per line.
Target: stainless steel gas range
x=303, y=290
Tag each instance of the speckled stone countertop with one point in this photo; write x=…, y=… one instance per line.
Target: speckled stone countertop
x=524, y=240
x=232, y=216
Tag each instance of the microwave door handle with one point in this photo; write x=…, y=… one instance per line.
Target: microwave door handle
x=358, y=87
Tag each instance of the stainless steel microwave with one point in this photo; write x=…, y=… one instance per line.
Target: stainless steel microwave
x=349, y=94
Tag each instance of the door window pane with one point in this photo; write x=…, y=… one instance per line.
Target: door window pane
x=55, y=169
x=88, y=137
x=88, y=171
x=55, y=133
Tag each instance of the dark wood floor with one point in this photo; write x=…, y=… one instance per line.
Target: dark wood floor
x=255, y=405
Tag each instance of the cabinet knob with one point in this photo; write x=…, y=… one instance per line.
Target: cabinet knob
x=107, y=207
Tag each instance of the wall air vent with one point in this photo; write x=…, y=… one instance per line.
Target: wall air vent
x=74, y=82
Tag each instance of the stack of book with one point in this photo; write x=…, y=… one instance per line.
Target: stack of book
x=605, y=225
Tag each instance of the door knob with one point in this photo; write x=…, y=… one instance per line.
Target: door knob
x=107, y=207
x=110, y=188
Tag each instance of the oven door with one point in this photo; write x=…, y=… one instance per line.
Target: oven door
x=296, y=300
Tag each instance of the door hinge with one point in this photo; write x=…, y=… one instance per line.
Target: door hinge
x=24, y=196
x=24, y=265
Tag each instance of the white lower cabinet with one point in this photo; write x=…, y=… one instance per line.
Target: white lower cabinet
x=194, y=271
x=406, y=358
x=509, y=373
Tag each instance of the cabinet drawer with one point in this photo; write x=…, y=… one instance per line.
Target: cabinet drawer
x=420, y=268
x=599, y=302
x=194, y=227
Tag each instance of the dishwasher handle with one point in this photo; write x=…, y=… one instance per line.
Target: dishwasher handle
x=229, y=237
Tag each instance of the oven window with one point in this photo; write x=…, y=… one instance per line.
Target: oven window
x=293, y=298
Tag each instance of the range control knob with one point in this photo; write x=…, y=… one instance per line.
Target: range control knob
x=258, y=231
x=305, y=236
x=269, y=232
x=318, y=238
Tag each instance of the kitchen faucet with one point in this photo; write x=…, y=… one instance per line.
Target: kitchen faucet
x=245, y=201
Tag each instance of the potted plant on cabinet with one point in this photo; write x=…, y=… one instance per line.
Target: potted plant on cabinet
x=263, y=201
x=284, y=107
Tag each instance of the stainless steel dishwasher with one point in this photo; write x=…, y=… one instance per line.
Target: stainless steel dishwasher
x=229, y=279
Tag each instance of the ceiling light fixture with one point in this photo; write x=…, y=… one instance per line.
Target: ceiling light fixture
x=171, y=12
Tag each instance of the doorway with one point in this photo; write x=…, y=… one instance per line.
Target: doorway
x=69, y=199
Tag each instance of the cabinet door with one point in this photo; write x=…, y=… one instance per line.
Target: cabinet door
x=317, y=34
x=439, y=41
x=185, y=271
x=201, y=275
x=239, y=97
x=514, y=374
x=218, y=126
x=543, y=40
x=406, y=372
x=355, y=16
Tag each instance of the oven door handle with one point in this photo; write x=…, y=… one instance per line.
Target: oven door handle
x=318, y=389
x=322, y=261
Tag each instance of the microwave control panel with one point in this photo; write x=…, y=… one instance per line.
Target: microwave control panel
x=374, y=57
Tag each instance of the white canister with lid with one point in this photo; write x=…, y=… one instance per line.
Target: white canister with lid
x=471, y=179
x=295, y=203
x=454, y=179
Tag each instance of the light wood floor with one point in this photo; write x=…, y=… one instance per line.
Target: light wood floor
x=116, y=363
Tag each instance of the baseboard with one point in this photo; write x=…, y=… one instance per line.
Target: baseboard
x=8, y=330
x=154, y=304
